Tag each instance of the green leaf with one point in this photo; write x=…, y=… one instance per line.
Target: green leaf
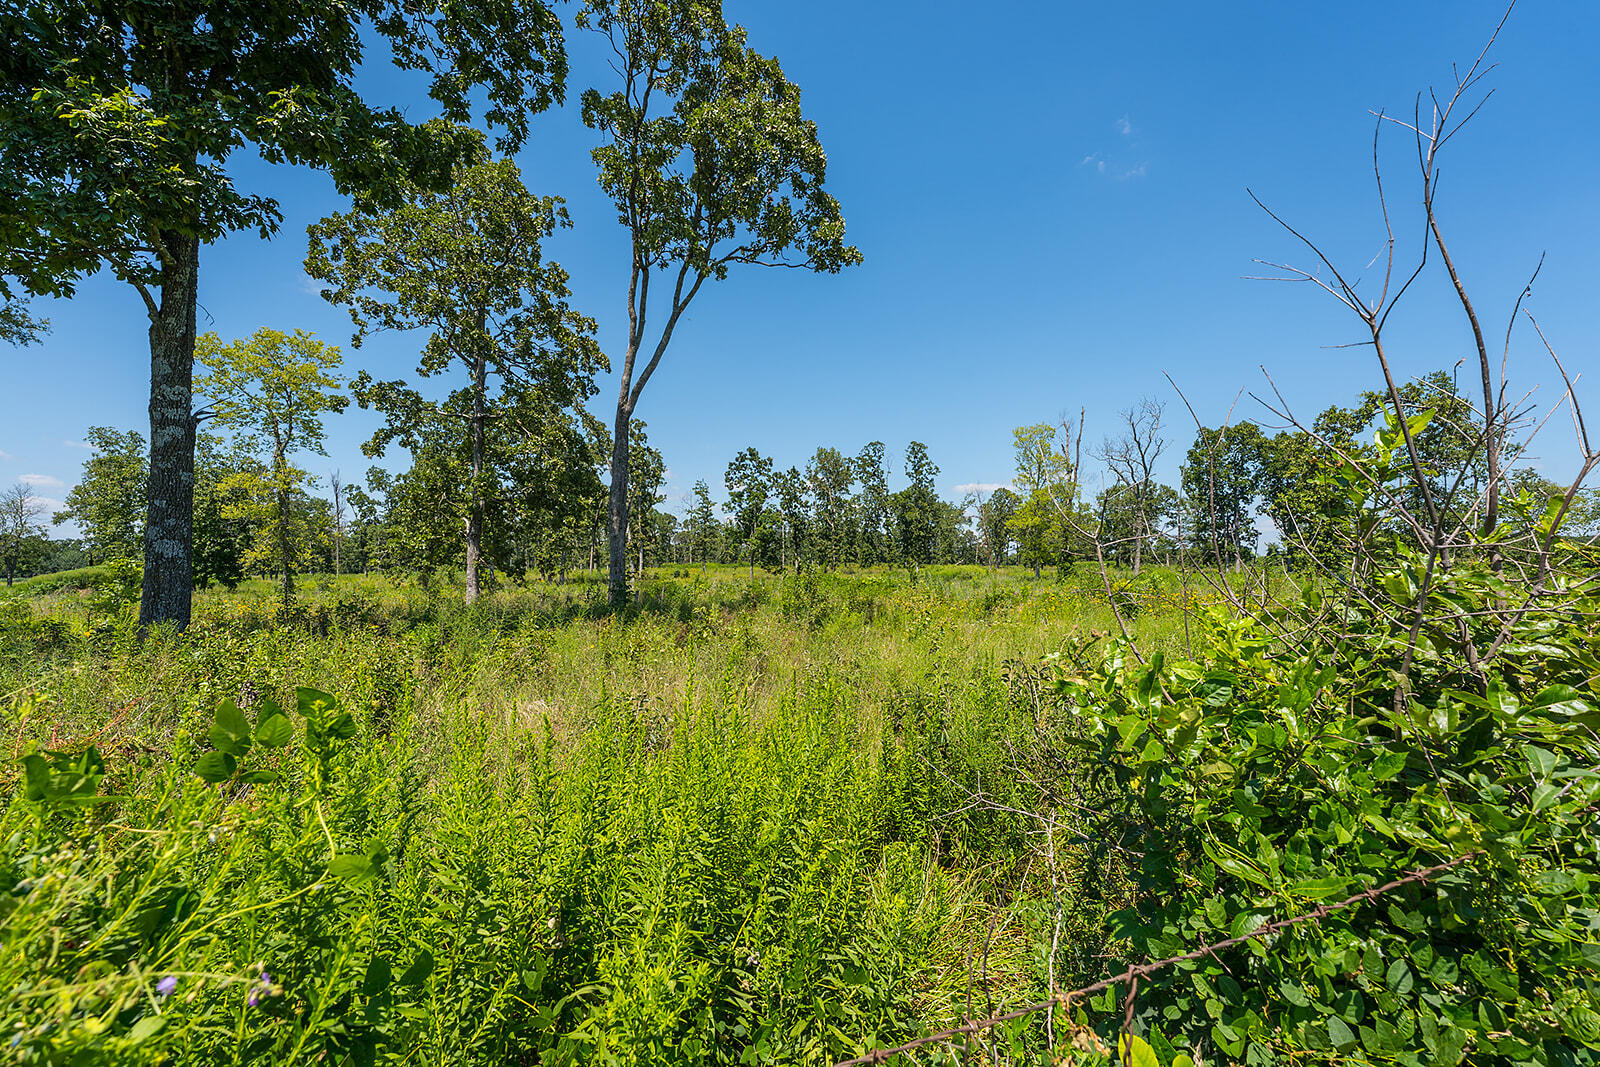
x=1388, y=764
x=1136, y=1051
x=1541, y=762
x=259, y=776
x=230, y=731
x=419, y=970
x=311, y=703
x=274, y=730
x=1339, y=1032
x=144, y=1028
x=216, y=767
x=1320, y=888
x=355, y=868
x=378, y=978
x=1399, y=977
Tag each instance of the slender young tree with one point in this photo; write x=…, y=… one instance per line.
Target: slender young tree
x=468, y=266
x=829, y=476
x=917, y=507
x=702, y=524
x=117, y=124
x=794, y=504
x=275, y=388
x=711, y=164
x=19, y=513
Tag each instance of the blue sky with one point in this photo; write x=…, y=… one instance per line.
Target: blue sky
x=1051, y=201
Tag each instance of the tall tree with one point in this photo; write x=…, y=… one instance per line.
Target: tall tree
x=829, y=475
x=917, y=507
x=274, y=388
x=794, y=505
x=1046, y=486
x=711, y=164
x=994, y=524
x=19, y=526
x=468, y=266
x=1222, y=479
x=108, y=501
x=872, y=509
x=748, y=480
x=702, y=525
x=117, y=123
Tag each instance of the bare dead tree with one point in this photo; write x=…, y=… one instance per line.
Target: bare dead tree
x=1448, y=515
x=338, y=518
x=1131, y=459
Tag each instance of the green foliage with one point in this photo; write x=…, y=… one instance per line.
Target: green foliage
x=272, y=389
x=109, y=500
x=509, y=449
x=1258, y=780
x=118, y=131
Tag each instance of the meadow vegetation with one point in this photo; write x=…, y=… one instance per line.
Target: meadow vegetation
x=717, y=828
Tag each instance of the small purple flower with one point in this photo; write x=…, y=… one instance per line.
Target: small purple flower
x=261, y=988
x=167, y=985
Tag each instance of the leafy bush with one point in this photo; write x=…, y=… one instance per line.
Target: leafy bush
x=1267, y=776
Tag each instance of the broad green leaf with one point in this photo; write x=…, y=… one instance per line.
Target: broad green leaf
x=275, y=731
x=379, y=976
x=216, y=766
x=1134, y=1050
x=355, y=868
x=230, y=731
x=419, y=970
x=310, y=703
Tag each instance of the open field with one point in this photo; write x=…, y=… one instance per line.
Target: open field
x=723, y=824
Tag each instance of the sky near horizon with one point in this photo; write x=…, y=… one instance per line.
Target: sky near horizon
x=1051, y=200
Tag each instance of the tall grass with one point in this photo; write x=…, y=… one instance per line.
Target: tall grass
x=724, y=829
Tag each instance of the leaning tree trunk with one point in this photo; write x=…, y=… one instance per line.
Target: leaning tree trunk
x=475, y=511
x=617, y=524
x=169, y=514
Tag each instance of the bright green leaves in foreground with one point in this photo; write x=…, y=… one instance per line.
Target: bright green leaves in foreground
x=1254, y=784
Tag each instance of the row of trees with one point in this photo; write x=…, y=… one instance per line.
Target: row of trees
x=507, y=471
x=115, y=132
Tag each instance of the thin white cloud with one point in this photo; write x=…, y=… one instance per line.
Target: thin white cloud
x=79, y=444
x=50, y=504
x=4, y=455
x=1135, y=171
x=982, y=487
x=41, y=480
x=311, y=286
x=1124, y=127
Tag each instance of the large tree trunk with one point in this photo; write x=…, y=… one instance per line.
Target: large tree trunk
x=169, y=514
x=617, y=524
x=475, y=511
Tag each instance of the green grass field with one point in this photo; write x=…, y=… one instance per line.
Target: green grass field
x=786, y=820
x=727, y=828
